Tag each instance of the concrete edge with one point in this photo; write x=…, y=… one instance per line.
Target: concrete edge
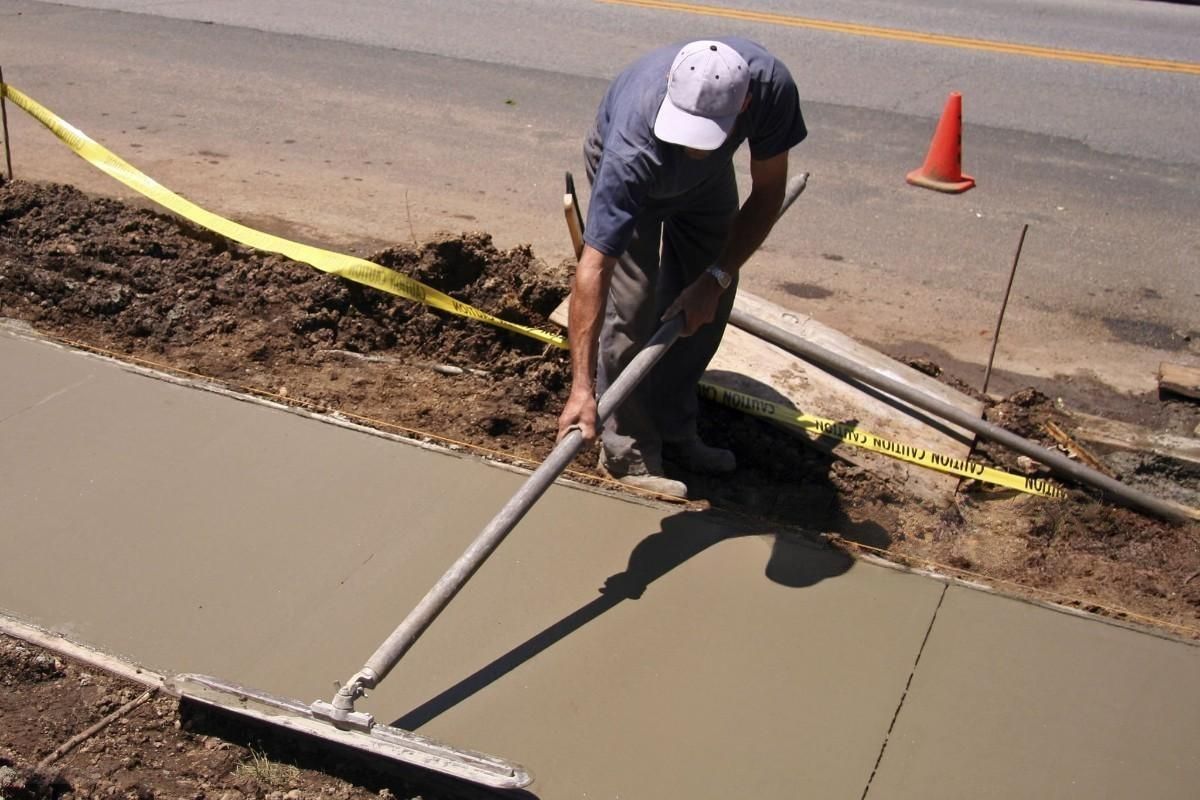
x=23, y=330
x=953, y=580
x=61, y=645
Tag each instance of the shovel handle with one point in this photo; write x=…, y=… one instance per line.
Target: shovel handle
x=448, y=586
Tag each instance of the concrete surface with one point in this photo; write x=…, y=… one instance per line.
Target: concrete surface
x=191, y=532
x=617, y=649
x=1012, y=701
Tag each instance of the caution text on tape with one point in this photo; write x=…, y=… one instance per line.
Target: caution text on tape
x=853, y=435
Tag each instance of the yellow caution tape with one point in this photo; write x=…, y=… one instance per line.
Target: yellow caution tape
x=388, y=280
x=853, y=435
x=355, y=269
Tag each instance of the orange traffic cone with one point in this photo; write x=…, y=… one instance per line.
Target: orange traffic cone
x=943, y=165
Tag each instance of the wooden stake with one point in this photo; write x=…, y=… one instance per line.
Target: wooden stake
x=571, y=212
x=987, y=375
x=1077, y=450
x=574, y=217
x=75, y=741
x=4, y=122
x=1179, y=379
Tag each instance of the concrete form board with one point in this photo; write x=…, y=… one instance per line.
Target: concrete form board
x=1010, y=701
x=615, y=648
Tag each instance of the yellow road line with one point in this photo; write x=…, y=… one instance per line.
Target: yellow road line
x=897, y=34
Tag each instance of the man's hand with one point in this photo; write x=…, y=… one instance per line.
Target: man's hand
x=588, y=295
x=698, y=302
x=579, y=412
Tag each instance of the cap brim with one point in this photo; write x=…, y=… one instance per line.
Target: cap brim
x=676, y=126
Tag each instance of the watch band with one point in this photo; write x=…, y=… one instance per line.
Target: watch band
x=722, y=277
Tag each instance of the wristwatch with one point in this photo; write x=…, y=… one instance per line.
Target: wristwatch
x=722, y=277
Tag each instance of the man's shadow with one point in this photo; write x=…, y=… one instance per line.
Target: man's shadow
x=797, y=560
x=795, y=478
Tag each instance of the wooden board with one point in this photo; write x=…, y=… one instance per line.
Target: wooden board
x=1134, y=438
x=747, y=364
x=1179, y=379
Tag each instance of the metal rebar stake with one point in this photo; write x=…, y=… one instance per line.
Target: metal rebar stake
x=4, y=123
x=987, y=374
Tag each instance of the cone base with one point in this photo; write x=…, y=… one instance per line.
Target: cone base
x=918, y=178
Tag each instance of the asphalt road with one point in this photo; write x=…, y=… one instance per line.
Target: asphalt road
x=382, y=121
x=870, y=65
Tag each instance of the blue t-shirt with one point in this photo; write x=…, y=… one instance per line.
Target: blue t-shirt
x=637, y=170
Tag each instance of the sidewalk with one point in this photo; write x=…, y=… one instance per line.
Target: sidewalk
x=616, y=649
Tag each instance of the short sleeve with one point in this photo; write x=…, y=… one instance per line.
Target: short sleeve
x=778, y=125
x=619, y=190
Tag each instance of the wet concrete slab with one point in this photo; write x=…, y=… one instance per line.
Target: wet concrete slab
x=1013, y=700
x=616, y=648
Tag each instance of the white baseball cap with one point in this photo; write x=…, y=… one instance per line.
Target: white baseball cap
x=706, y=88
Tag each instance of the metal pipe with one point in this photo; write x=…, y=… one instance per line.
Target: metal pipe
x=842, y=367
x=795, y=187
x=436, y=600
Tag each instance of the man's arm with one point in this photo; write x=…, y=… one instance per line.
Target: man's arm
x=768, y=183
x=750, y=228
x=586, y=314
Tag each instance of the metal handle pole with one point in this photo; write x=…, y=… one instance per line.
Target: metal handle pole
x=436, y=600
x=341, y=709
x=842, y=367
x=795, y=187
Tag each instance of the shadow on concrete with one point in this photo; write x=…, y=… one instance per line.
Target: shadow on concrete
x=782, y=475
x=797, y=560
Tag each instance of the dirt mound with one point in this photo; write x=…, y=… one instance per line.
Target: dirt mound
x=153, y=281
x=23, y=665
x=159, y=288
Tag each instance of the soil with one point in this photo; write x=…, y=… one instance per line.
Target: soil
x=147, y=286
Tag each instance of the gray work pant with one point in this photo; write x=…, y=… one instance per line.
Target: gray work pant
x=674, y=241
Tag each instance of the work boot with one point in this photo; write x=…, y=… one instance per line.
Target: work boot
x=695, y=456
x=635, y=474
